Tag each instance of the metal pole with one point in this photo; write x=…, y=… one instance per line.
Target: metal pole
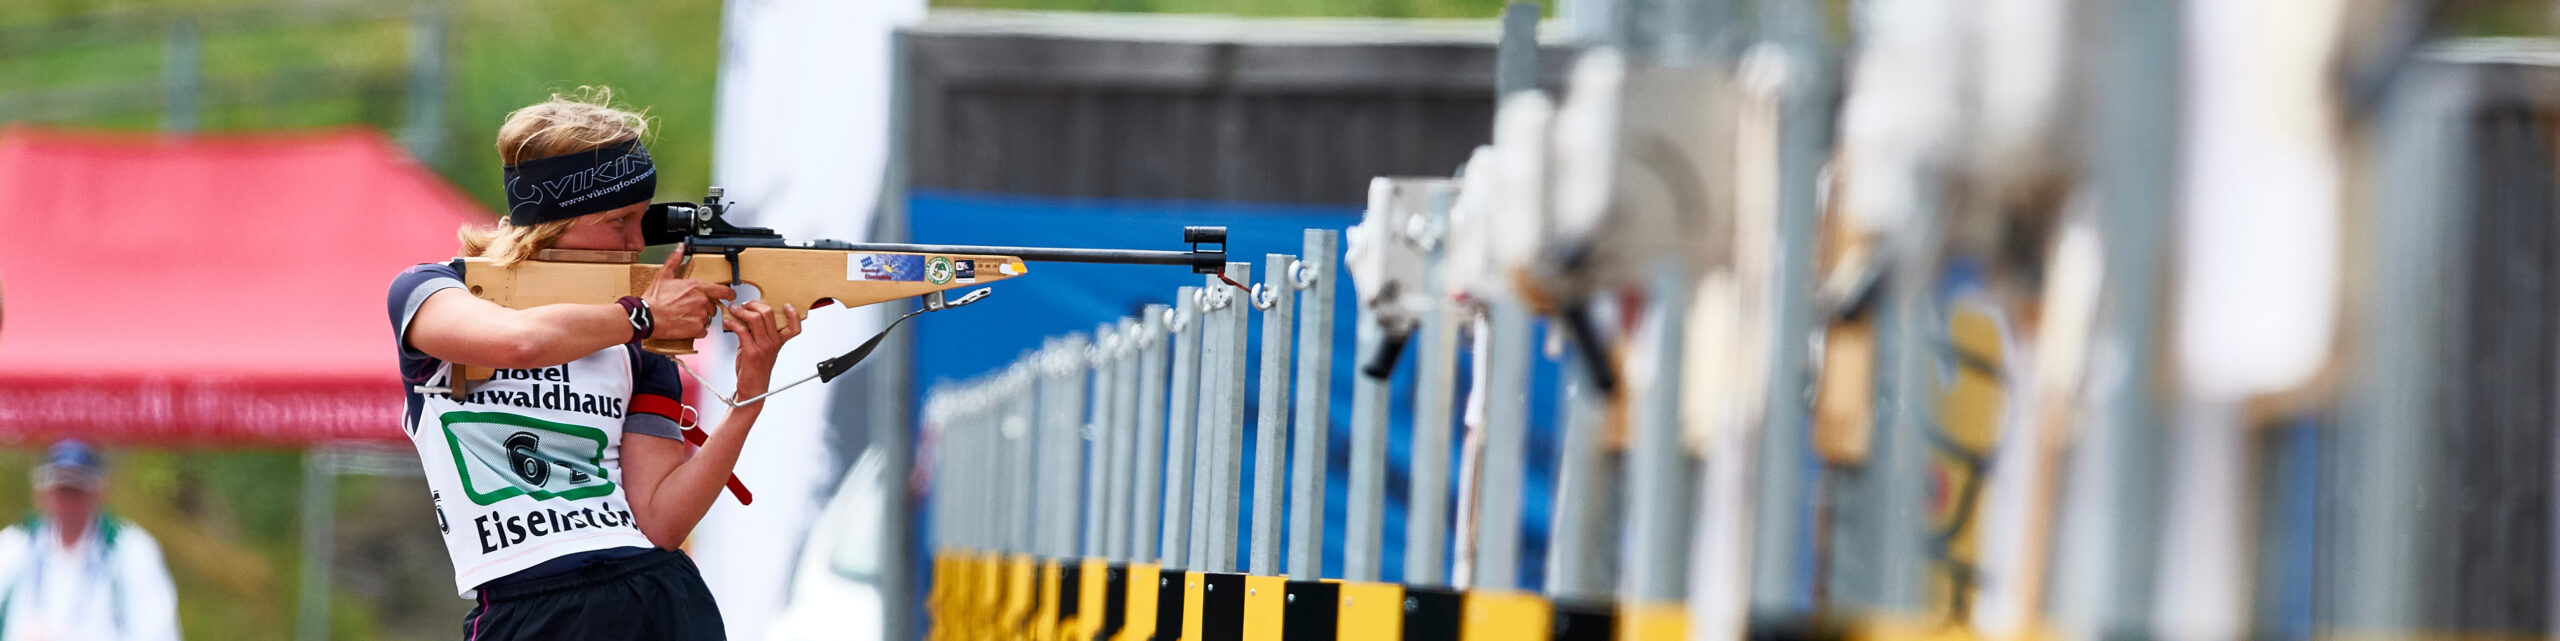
x=1368, y=492
x=182, y=71
x=1222, y=415
x=1125, y=453
x=1119, y=428
x=1146, y=524
x=881, y=407
x=2382, y=466
x=1515, y=61
x=1180, y=422
x=1506, y=401
x=1062, y=405
x=423, y=131
x=319, y=537
x=1506, y=436
x=1580, y=563
x=1097, y=441
x=1313, y=277
x=2103, y=580
x=978, y=435
x=1658, y=465
x=1271, y=428
x=950, y=490
x=1896, y=506
x=1434, y=403
x=1214, y=349
x=962, y=445
x=1777, y=589
x=937, y=413
x=1022, y=405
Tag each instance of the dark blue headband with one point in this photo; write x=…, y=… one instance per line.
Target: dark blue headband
x=576, y=184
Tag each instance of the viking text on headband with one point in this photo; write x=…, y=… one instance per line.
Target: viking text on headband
x=572, y=185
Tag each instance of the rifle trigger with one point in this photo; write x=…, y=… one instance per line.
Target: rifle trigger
x=737, y=269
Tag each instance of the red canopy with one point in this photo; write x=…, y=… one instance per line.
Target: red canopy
x=208, y=290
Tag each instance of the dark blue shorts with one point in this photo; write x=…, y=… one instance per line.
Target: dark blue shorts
x=658, y=595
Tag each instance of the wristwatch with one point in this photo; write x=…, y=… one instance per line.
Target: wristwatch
x=638, y=311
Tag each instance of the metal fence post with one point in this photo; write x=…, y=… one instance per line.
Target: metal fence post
x=1124, y=461
x=1312, y=275
x=1145, y=523
x=423, y=130
x=1506, y=435
x=182, y=74
x=1118, y=428
x=1785, y=435
x=2383, y=462
x=319, y=536
x=1021, y=406
x=1362, y=517
x=980, y=438
x=2103, y=561
x=1581, y=563
x=1658, y=466
x=1434, y=404
x=952, y=447
x=1180, y=421
x=1063, y=443
x=1222, y=416
x=1271, y=428
x=1097, y=439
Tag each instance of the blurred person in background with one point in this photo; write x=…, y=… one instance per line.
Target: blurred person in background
x=561, y=484
x=75, y=571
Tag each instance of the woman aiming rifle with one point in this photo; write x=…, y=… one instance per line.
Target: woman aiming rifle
x=561, y=484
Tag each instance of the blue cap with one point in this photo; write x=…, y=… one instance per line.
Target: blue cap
x=71, y=462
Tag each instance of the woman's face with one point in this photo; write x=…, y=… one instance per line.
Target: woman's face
x=611, y=230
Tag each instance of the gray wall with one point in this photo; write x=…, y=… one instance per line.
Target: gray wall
x=1274, y=111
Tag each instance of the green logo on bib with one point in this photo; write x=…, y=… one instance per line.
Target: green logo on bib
x=501, y=456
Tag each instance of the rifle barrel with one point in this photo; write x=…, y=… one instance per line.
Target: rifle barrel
x=1058, y=254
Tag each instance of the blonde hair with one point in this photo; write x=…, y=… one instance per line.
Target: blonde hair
x=570, y=122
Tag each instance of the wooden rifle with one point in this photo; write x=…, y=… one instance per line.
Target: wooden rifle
x=762, y=265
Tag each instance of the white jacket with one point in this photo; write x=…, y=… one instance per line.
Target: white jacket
x=109, y=586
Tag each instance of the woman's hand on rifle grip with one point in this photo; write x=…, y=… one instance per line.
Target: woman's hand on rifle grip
x=682, y=308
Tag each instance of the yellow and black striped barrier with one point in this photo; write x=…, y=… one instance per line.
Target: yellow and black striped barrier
x=986, y=597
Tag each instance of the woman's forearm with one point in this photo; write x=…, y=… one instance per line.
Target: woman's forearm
x=561, y=333
x=454, y=326
x=687, y=492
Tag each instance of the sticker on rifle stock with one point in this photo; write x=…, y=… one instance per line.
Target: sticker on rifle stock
x=965, y=271
x=884, y=267
x=939, y=270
